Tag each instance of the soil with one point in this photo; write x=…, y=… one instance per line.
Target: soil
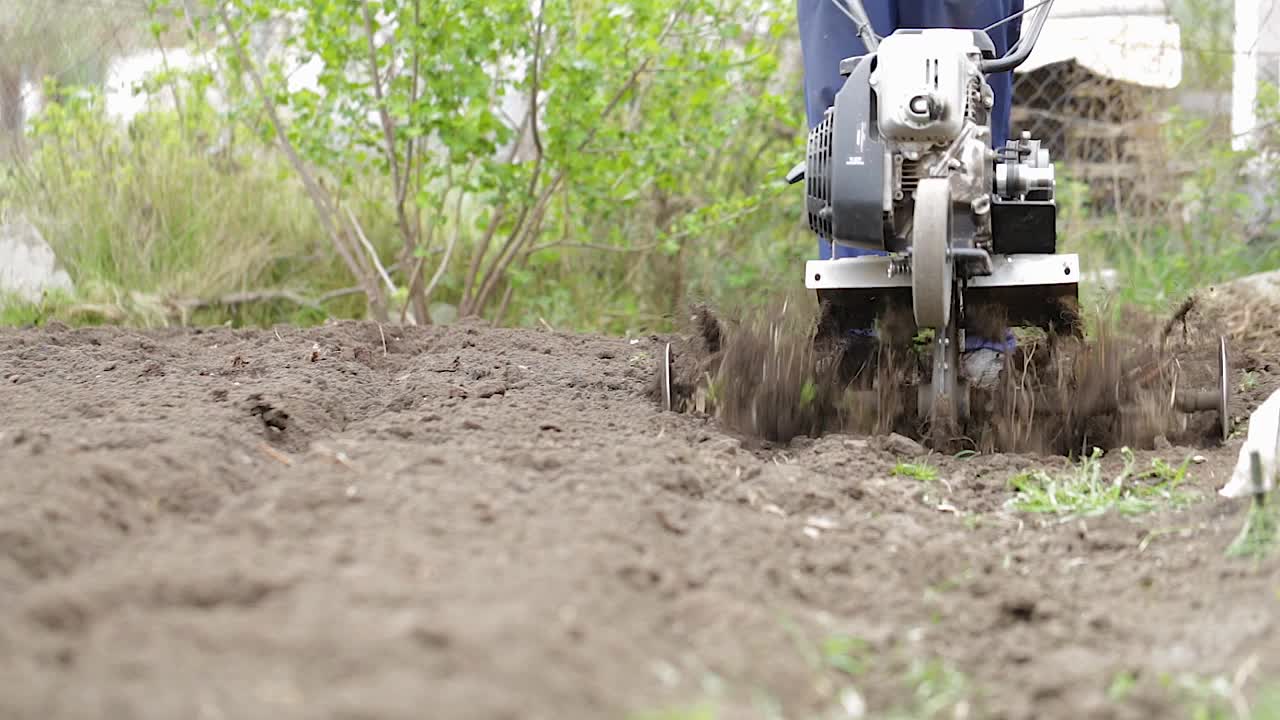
x=357, y=521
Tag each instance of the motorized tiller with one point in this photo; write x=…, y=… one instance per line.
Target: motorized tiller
x=902, y=165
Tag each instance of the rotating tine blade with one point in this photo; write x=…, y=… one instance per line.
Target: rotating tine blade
x=666, y=378
x=1224, y=371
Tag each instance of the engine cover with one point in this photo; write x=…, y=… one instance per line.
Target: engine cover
x=845, y=172
x=922, y=82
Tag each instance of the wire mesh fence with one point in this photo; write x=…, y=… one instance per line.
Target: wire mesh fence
x=1104, y=132
x=1132, y=145
x=1144, y=115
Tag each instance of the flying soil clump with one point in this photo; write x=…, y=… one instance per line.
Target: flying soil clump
x=772, y=374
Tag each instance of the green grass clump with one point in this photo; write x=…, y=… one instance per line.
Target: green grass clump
x=1085, y=492
x=935, y=687
x=152, y=219
x=919, y=471
x=1121, y=686
x=1261, y=531
x=1258, y=537
x=1216, y=698
x=928, y=687
x=847, y=654
x=16, y=311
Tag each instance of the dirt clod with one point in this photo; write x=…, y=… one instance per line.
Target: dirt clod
x=902, y=445
x=489, y=389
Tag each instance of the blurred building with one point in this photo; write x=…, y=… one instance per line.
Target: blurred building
x=1256, y=55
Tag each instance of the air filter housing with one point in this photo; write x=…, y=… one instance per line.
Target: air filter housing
x=818, y=177
x=845, y=180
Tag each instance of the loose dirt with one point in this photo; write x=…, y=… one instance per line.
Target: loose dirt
x=789, y=371
x=364, y=522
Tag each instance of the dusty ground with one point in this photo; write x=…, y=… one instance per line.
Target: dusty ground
x=471, y=523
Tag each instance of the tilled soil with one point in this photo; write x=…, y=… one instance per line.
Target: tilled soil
x=364, y=522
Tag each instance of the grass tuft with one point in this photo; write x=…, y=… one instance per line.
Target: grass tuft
x=935, y=688
x=1085, y=492
x=919, y=471
x=1259, y=535
x=1121, y=686
x=927, y=687
x=17, y=311
x=847, y=654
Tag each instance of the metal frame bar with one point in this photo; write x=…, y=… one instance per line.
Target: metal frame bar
x=872, y=272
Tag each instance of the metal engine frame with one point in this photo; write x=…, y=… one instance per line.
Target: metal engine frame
x=902, y=164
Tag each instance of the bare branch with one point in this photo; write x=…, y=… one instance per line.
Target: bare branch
x=518, y=229
x=340, y=293
x=415, y=275
x=373, y=252
x=412, y=150
x=502, y=307
x=399, y=179
x=533, y=74
x=468, y=301
x=515, y=240
x=388, y=132
x=246, y=298
x=589, y=246
x=448, y=251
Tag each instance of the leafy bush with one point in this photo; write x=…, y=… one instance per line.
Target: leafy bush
x=649, y=164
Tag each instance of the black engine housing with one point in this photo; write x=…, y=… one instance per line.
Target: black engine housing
x=845, y=181
x=848, y=185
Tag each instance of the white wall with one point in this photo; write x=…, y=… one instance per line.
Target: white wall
x=123, y=75
x=1257, y=58
x=1269, y=42
x=1135, y=41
